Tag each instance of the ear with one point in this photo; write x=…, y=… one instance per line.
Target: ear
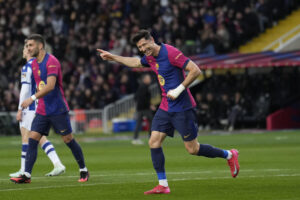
x=40, y=46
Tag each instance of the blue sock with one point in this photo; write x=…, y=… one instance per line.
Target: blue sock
x=158, y=160
x=211, y=152
x=31, y=155
x=77, y=153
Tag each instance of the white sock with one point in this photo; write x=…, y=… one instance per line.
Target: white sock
x=163, y=182
x=83, y=170
x=23, y=156
x=229, y=155
x=27, y=174
x=51, y=153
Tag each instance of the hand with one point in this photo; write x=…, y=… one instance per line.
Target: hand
x=27, y=102
x=19, y=115
x=152, y=107
x=171, y=94
x=105, y=55
x=174, y=93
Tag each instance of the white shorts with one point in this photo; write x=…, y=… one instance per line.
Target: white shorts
x=27, y=118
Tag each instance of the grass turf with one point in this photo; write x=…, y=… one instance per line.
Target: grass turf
x=270, y=169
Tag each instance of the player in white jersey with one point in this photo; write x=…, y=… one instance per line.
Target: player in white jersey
x=25, y=117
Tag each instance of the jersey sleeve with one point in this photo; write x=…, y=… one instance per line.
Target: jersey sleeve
x=26, y=74
x=53, y=67
x=176, y=57
x=144, y=62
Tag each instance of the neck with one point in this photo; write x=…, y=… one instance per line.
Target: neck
x=41, y=56
x=157, y=49
x=28, y=58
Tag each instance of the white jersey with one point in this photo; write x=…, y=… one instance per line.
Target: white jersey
x=28, y=87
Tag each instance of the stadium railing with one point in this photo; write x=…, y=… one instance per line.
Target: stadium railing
x=91, y=121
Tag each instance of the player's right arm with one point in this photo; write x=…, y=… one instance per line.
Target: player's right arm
x=128, y=61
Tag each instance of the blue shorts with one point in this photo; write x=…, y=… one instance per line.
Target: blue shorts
x=61, y=124
x=184, y=122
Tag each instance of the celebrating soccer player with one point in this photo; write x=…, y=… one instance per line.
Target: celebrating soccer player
x=176, y=110
x=52, y=108
x=26, y=116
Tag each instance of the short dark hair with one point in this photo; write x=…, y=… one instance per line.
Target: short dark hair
x=37, y=37
x=139, y=35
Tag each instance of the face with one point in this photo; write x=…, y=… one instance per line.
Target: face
x=33, y=48
x=146, y=46
x=25, y=52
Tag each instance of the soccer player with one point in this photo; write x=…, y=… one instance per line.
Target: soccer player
x=26, y=116
x=176, y=110
x=52, y=108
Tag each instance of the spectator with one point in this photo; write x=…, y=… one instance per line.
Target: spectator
x=143, y=107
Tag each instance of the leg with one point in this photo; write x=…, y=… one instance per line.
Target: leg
x=136, y=140
x=49, y=149
x=139, y=121
x=162, y=125
x=25, y=135
x=194, y=148
x=77, y=153
x=31, y=155
x=158, y=160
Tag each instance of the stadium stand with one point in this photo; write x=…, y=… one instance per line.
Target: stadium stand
x=73, y=30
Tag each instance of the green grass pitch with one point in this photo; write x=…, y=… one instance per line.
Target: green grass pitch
x=270, y=169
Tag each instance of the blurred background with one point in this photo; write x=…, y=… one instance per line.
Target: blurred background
x=249, y=53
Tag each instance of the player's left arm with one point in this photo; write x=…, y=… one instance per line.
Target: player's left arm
x=51, y=81
x=194, y=72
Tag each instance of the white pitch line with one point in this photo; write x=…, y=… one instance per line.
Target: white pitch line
x=170, y=180
x=153, y=173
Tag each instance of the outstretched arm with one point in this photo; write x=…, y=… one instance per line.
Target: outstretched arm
x=128, y=61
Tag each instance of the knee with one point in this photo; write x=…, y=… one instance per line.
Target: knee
x=67, y=138
x=153, y=143
x=193, y=149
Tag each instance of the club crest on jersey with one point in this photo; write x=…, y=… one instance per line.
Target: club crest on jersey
x=41, y=85
x=161, y=80
x=156, y=66
x=39, y=73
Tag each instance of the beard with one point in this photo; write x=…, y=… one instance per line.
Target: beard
x=35, y=52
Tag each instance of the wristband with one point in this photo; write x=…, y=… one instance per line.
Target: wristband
x=33, y=97
x=177, y=91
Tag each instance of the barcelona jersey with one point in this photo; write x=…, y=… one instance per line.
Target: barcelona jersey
x=169, y=67
x=54, y=103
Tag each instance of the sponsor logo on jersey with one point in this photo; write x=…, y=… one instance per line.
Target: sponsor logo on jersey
x=161, y=80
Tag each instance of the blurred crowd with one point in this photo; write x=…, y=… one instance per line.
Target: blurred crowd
x=228, y=101
x=74, y=29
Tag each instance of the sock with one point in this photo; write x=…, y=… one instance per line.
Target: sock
x=23, y=156
x=211, y=152
x=77, y=153
x=31, y=155
x=51, y=153
x=158, y=161
x=229, y=154
x=83, y=169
